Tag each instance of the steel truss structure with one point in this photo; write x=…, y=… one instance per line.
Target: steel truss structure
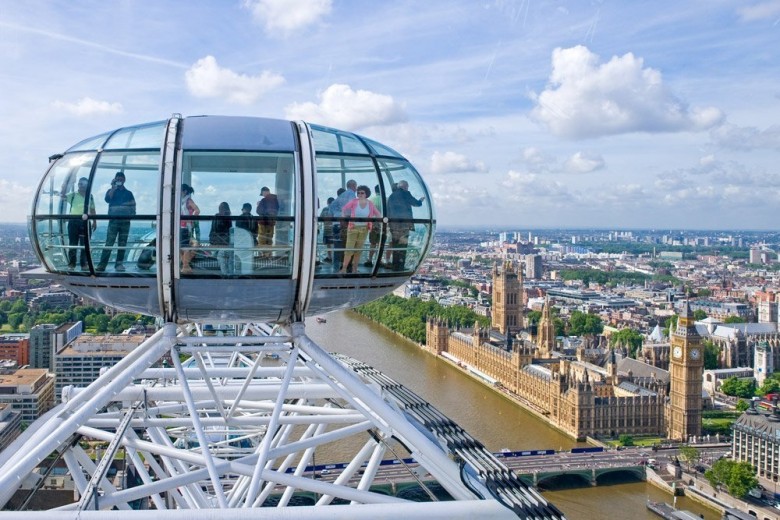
x=220, y=426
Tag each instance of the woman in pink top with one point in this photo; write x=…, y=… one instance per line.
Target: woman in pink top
x=357, y=232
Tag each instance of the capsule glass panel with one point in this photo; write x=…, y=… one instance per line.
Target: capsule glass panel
x=330, y=140
x=63, y=193
x=93, y=143
x=125, y=185
x=346, y=174
x=137, y=137
x=229, y=225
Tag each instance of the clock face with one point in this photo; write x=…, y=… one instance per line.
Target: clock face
x=695, y=353
x=677, y=352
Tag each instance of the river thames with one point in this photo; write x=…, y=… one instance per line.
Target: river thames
x=487, y=415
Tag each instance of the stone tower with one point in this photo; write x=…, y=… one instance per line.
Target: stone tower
x=437, y=335
x=686, y=367
x=545, y=338
x=507, y=298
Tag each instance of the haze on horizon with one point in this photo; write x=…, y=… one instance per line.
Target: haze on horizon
x=519, y=114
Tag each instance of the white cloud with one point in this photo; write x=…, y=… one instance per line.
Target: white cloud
x=285, y=17
x=585, y=98
x=707, y=160
x=452, y=162
x=206, y=79
x=582, y=162
x=15, y=199
x=746, y=138
x=348, y=109
x=89, y=107
x=461, y=199
x=760, y=11
x=535, y=156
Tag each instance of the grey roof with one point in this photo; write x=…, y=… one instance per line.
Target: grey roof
x=760, y=425
x=641, y=369
x=636, y=389
x=539, y=371
x=746, y=329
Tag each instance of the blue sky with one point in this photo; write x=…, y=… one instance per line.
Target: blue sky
x=522, y=114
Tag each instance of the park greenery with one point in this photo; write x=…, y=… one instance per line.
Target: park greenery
x=737, y=477
x=613, y=278
x=407, y=317
x=744, y=387
x=473, y=291
x=639, y=248
x=16, y=317
x=585, y=324
x=718, y=422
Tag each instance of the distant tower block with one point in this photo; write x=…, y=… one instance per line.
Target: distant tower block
x=533, y=267
x=686, y=369
x=507, y=298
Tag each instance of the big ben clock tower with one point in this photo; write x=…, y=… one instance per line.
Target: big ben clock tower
x=686, y=368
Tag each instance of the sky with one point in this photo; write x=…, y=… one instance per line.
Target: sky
x=520, y=114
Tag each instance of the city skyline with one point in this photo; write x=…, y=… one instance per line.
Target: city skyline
x=517, y=113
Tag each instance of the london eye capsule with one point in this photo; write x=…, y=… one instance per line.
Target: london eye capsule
x=228, y=218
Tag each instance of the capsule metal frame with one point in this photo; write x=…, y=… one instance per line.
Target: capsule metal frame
x=282, y=279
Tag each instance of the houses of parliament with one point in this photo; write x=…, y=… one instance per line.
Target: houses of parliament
x=583, y=392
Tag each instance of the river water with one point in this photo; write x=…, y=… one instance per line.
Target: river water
x=487, y=415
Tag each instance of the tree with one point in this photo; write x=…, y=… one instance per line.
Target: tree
x=699, y=314
x=742, y=405
x=533, y=317
x=582, y=324
x=738, y=477
x=627, y=337
x=15, y=319
x=689, y=454
x=101, y=323
x=739, y=387
x=734, y=319
x=769, y=386
x=670, y=325
x=626, y=440
x=711, y=355
x=18, y=306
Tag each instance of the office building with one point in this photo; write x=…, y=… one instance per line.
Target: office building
x=29, y=391
x=79, y=362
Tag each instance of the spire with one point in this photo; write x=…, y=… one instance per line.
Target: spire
x=687, y=308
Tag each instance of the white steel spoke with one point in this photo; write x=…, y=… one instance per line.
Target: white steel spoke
x=242, y=422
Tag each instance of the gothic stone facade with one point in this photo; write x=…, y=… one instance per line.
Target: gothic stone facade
x=572, y=400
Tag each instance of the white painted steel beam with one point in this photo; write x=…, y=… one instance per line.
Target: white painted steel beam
x=231, y=427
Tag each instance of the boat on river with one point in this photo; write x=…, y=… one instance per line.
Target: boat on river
x=320, y=319
x=668, y=511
